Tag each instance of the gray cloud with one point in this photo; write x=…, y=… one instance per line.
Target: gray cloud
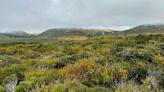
x=34, y=15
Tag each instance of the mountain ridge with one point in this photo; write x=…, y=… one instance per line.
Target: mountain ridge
x=56, y=32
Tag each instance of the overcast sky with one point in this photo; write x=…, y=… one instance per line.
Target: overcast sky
x=38, y=15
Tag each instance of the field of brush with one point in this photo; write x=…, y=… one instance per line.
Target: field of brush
x=133, y=63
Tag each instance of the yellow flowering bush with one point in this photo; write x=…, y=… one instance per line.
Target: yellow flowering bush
x=79, y=71
x=36, y=72
x=103, y=51
x=159, y=59
x=108, y=75
x=43, y=75
x=123, y=73
x=140, y=64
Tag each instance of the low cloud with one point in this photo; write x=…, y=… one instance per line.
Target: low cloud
x=34, y=15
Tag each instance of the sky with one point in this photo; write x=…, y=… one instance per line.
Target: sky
x=35, y=16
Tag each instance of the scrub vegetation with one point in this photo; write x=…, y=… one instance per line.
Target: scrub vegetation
x=129, y=63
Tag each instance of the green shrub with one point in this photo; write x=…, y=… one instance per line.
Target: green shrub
x=42, y=74
x=142, y=39
x=137, y=71
x=68, y=59
x=129, y=86
x=162, y=49
x=2, y=89
x=14, y=69
x=9, y=78
x=132, y=54
x=25, y=85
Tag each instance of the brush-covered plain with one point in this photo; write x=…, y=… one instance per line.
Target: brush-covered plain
x=133, y=63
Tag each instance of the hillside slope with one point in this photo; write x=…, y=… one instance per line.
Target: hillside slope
x=71, y=32
x=145, y=29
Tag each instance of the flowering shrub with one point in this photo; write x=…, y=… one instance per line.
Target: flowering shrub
x=79, y=71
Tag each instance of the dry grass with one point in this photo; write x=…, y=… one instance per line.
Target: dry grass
x=73, y=38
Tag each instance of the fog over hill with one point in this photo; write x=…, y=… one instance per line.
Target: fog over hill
x=56, y=32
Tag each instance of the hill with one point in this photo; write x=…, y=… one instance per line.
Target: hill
x=18, y=33
x=56, y=32
x=145, y=29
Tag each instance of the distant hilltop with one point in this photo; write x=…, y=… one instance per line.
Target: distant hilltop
x=18, y=33
x=146, y=28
